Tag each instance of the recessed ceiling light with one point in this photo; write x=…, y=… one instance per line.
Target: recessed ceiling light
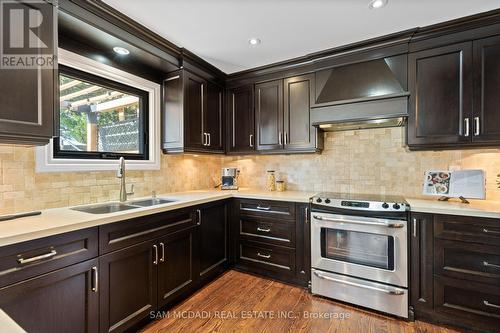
x=376, y=4
x=121, y=50
x=254, y=41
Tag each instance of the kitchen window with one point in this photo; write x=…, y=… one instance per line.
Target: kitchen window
x=100, y=118
x=104, y=113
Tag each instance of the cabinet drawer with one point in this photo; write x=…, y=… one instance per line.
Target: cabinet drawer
x=475, y=262
x=267, y=208
x=28, y=259
x=470, y=304
x=467, y=229
x=121, y=234
x=267, y=257
x=281, y=232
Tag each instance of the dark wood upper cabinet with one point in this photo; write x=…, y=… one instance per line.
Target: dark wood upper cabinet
x=192, y=114
x=299, y=134
x=27, y=96
x=213, y=239
x=487, y=90
x=65, y=300
x=214, y=118
x=128, y=286
x=440, y=83
x=241, y=120
x=269, y=115
x=175, y=265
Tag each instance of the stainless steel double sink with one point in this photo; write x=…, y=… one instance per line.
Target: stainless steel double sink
x=113, y=207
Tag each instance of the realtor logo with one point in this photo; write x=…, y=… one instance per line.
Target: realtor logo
x=27, y=34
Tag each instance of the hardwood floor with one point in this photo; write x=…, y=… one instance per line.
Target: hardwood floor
x=239, y=302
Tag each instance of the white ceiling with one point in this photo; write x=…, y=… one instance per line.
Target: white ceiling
x=218, y=30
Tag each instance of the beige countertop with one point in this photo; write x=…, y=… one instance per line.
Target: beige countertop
x=477, y=208
x=59, y=220
x=8, y=324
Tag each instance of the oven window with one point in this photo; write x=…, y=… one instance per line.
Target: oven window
x=361, y=248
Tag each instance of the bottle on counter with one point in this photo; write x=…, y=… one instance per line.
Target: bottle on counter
x=271, y=180
x=280, y=185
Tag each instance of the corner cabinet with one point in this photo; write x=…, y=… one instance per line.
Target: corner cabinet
x=192, y=114
x=27, y=96
x=454, y=95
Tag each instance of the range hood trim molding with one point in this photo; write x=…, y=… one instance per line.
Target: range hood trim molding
x=361, y=100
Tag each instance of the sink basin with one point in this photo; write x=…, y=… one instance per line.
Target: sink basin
x=151, y=202
x=104, y=208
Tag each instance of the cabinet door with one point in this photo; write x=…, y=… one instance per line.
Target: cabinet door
x=487, y=90
x=27, y=95
x=241, y=120
x=214, y=119
x=194, y=108
x=128, y=285
x=421, y=261
x=175, y=267
x=269, y=115
x=299, y=133
x=212, y=239
x=440, y=82
x=62, y=301
x=303, y=248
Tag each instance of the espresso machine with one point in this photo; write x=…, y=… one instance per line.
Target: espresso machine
x=230, y=178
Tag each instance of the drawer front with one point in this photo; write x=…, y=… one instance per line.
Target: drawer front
x=475, y=262
x=267, y=257
x=267, y=208
x=281, y=232
x=467, y=229
x=471, y=304
x=28, y=259
x=121, y=234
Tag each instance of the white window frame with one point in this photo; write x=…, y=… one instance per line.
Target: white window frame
x=45, y=161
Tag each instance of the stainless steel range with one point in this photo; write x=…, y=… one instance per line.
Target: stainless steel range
x=359, y=250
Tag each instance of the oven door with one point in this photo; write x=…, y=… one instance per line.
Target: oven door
x=364, y=247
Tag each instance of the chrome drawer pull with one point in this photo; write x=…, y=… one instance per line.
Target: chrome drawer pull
x=162, y=249
x=264, y=208
x=95, y=284
x=382, y=224
x=491, y=305
x=263, y=230
x=487, y=231
x=487, y=264
x=51, y=254
x=467, y=126
x=387, y=291
x=267, y=256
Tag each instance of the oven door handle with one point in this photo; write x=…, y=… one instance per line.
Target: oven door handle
x=387, y=291
x=395, y=224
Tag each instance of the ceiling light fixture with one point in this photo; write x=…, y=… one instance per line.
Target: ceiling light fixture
x=121, y=50
x=376, y=4
x=254, y=41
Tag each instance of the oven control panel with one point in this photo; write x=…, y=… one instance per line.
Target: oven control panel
x=380, y=206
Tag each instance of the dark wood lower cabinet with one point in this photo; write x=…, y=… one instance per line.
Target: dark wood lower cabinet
x=58, y=302
x=128, y=287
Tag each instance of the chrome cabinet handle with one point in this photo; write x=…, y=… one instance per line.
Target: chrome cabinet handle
x=414, y=227
x=286, y=138
x=95, y=281
x=162, y=249
x=487, y=264
x=279, y=138
x=155, y=261
x=209, y=140
x=382, y=224
x=476, y=126
x=251, y=140
x=387, y=291
x=51, y=254
x=267, y=256
x=306, y=213
x=263, y=230
x=263, y=208
x=467, y=126
x=205, y=139
x=198, y=211
x=487, y=231
x=485, y=302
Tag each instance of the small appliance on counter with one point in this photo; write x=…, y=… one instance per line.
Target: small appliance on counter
x=230, y=178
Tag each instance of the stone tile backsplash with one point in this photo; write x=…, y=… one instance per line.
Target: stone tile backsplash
x=365, y=161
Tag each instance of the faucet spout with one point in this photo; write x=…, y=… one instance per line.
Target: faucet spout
x=121, y=174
